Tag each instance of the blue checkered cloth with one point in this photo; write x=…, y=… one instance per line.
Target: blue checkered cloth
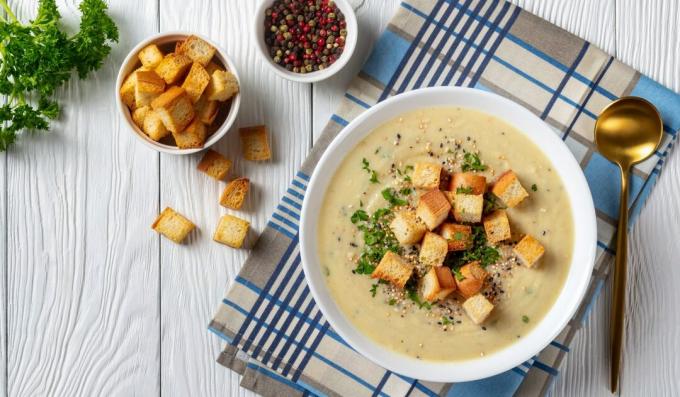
x=276, y=336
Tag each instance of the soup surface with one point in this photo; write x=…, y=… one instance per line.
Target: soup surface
x=441, y=331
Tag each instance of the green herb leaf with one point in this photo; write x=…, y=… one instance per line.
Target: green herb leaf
x=534, y=187
x=391, y=196
x=472, y=163
x=525, y=319
x=445, y=321
x=366, y=166
x=392, y=302
x=464, y=190
x=413, y=295
x=359, y=215
x=458, y=274
x=374, y=290
x=378, y=238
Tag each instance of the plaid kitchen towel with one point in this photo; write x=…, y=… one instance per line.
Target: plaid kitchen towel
x=276, y=336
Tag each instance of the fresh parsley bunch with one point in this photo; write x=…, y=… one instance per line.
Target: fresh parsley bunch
x=36, y=58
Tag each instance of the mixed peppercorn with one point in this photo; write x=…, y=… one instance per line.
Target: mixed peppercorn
x=304, y=36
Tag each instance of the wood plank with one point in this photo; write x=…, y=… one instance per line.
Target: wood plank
x=82, y=307
x=3, y=274
x=194, y=276
x=647, y=38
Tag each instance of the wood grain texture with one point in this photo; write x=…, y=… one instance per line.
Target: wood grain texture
x=194, y=276
x=3, y=274
x=647, y=38
x=82, y=269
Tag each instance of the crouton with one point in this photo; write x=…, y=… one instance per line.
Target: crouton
x=468, y=207
x=206, y=110
x=497, y=226
x=178, y=45
x=528, y=250
x=154, y=127
x=173, y=67
x=127, y=89
x=472, y=280
x=223, y=85
x=150, y=56
x=433, y=208
x=437, y=284
x=478, y=308
x=172, y=225
x=235, y=193
x=393, y=268
x=211, y=67
x=451, y=196
x=459, y=237
x=175, y=109
x=214, y=164
x=254, y=143
x=197, y=49
x=426, y=175
x=192, y=137
x=148, y=87
x=139, y=115
x=509, y=190
x=433, y=249
x=231, y=231
x=406, y=226
x=196, y=81
x=468, y=182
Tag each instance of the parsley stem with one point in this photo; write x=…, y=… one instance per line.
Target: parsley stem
x=8, y=10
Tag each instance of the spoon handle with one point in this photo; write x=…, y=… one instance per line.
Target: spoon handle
x=619, y=300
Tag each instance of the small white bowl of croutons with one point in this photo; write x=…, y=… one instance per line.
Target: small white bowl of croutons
x=178, y=92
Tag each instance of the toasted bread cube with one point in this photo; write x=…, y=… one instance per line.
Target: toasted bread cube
x=231, y=231
x=178, y=45
x=459, y=237
x=255, y=143
x=437, y=284
x=497, y=226
x=509, y=190
x=473, y=279
x=150, y=56
x=468, y=207
x=139, y=114
x=433, y=208
x=206, y=110
x=154, y=127
x=211, y=67
x=426, y=175
x=172, y=225
x=173, y=67
x=528, y=250
x=406, y=226
x=192, y=137
x=433, y=249
x=196, y=81
x=468, y=182
x=127, y=89
x=149, y=86
x=175, y=109
x=223, y=85
x=478, y=308
x=214, y=164
x=445, y=277
x=197, y=49
x=234, y=194
x=393, y=268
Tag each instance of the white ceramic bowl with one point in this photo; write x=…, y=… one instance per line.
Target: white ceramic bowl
x=224, y=119
x=585, y=234
x=350, y=45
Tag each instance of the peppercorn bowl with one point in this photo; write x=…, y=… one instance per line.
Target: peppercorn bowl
x=316, y=60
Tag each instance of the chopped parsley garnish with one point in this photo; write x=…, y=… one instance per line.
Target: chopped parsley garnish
x=525, y=319
x=413, y=295
x=472, y=163
x=458, y=236
x=458, y=274
x=534, y=187
x=405, y=191
x=392, y=302
x=464, y=190
x=391, y=196
x=481, y=252
x=374, y=289
x=491, y=204
x=445, y=321
x=366, y=166
x=378, y=238
x=405, y=172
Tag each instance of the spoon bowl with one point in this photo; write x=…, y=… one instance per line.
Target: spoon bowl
x=627, y=131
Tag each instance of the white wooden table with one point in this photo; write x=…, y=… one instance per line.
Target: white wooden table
x=92, y=302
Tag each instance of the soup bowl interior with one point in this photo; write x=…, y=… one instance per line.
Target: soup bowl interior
x=583, y=212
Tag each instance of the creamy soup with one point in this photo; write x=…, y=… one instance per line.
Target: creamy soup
x=441, y=331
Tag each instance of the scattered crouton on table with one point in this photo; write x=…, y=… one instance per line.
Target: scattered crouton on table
x=173, y=225
x=231, y=231
x=214, y=164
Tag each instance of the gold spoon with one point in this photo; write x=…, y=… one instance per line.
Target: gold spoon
x=627, y=132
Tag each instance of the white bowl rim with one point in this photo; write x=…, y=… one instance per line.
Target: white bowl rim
x=312, y=77
x=128, y=65
x=583, y=212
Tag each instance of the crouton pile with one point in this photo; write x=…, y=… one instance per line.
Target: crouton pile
x=231, y=230
x=457, y=228
x=176, y=97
